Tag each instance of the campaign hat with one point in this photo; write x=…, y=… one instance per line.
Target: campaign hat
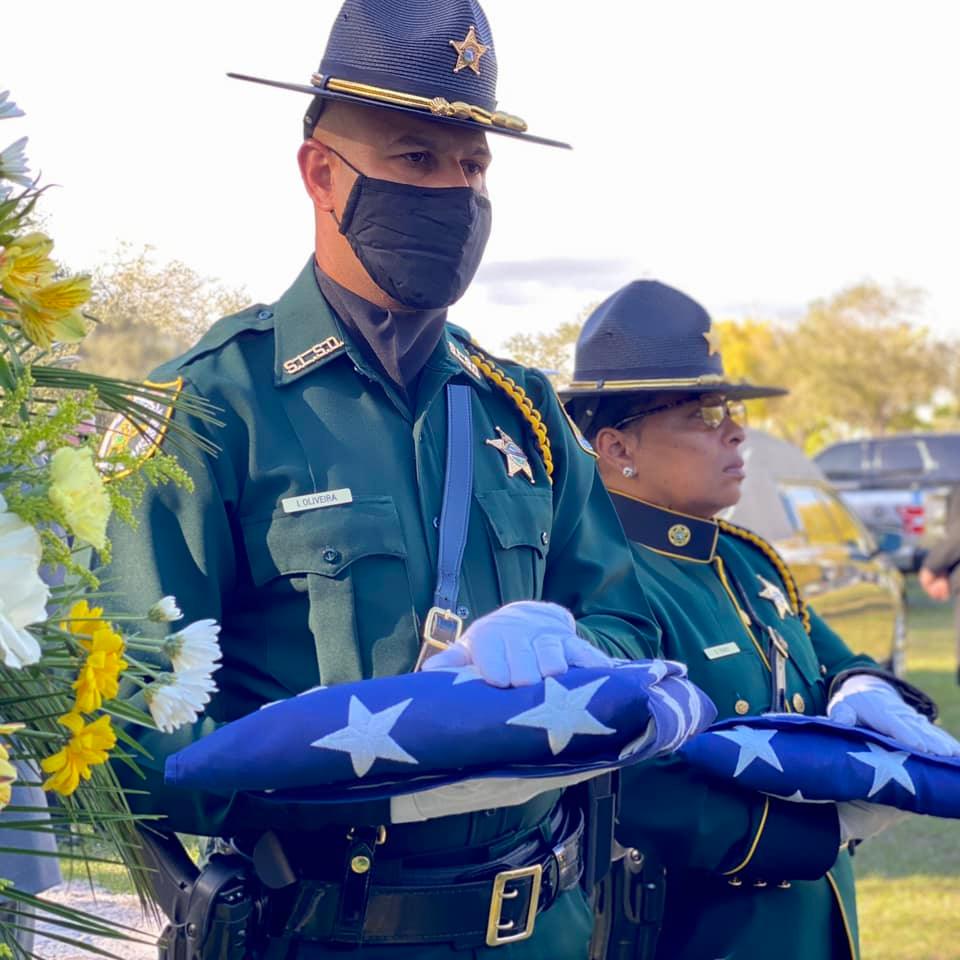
x=432, y=58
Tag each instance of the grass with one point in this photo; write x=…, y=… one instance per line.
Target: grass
x=908, y=879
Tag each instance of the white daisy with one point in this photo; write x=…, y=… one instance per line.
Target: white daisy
x=176, y=699
x=13, y=164
x=195, y=647
x=8, y=109
x=165, y=610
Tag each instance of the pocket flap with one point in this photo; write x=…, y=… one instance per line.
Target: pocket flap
x=519, y=518
x=324, y=541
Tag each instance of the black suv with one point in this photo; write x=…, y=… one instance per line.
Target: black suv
x=897, y=484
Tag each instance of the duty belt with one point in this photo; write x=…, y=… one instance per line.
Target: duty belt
x=491, y=904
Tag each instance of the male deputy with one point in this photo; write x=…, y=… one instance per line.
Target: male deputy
x=313, y=535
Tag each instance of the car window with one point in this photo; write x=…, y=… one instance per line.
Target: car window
x=900, y=456
x=851, y=531
x=842, y=459
x=945, y=451
x=812, y=514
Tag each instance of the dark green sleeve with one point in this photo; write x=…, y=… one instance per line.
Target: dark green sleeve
x=590, y=567
x=691, y=821
x=183, y=546
x=833, y=652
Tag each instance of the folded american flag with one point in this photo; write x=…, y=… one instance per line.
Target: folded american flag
x=813, y=758
x=394, y=735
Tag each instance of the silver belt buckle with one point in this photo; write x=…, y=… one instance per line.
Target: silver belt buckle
x=500, y=932
x=441, y=629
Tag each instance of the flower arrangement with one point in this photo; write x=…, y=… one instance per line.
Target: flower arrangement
x=67, y=666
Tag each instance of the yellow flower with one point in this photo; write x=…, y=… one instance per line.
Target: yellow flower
x=77, y=490
x=53, y=312
x=84, y=620
x=99, y=676
x=89, y=745
x=8, y=772
x=26, y=266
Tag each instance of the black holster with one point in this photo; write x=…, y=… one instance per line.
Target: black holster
x=212, y=912
x=628, y=910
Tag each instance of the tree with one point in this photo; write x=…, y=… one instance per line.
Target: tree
x=552, y=351
x=148, y=313
x=854, y=364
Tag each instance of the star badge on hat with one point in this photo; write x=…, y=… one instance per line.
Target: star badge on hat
x=515, y=459
x=774, y=594
x=469, y=51
x=713, y=341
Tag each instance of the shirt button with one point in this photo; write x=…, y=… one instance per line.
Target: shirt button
x=463, y=612
x=544, y=537
x=823, y=669
x=799, y=704
x=264, y=314
x=742, y=707
x=331, y=555
x=436, y=523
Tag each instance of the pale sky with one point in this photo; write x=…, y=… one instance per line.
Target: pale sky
x=756, y=153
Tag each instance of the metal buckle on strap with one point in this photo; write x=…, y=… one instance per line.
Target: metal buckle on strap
x=440, y=629
x=500, y=931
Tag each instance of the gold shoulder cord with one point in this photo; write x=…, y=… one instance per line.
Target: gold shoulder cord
x=524, y=404
x=799, y=607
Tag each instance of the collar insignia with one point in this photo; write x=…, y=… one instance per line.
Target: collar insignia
x=464, y=360
x=775, y=595
x=713, y=341
x=312, y=355
x=515, y=459
x=679, y=535
x=469, y=51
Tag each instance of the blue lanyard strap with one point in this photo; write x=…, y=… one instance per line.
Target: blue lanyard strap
x=442, y=625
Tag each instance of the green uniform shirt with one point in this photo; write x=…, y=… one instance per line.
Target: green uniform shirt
x=338, y=593
x=748, y=876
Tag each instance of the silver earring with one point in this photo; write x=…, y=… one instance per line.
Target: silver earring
x=629, y=472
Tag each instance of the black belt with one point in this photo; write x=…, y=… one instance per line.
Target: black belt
x=493, y=904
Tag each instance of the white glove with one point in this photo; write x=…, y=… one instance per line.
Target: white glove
x=867, y=700
x=520, y=644
x=860, y=820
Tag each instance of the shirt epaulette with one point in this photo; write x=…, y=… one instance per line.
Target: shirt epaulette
x=257, y=318
x=793, y=592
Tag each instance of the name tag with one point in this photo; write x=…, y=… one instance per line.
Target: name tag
x=721, y=650
x=314, y=501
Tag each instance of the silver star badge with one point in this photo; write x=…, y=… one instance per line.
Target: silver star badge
x=775, y=595
x=513, y=455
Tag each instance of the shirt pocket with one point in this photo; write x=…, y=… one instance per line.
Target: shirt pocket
x=348, y=566
x=519, y=524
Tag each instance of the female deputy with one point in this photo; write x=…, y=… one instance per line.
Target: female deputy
x=741, y=875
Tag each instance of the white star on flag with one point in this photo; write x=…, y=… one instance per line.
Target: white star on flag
x=887, y=765
x=753, y=744
x=461, y=674
x=366, y=737
x=563, y=713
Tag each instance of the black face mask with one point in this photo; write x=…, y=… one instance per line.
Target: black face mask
x=420, y=245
